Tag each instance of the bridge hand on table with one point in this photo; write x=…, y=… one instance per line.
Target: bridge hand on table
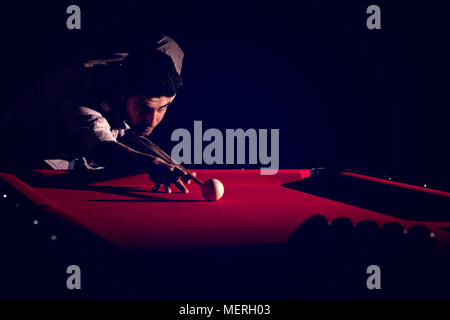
x=163, y=173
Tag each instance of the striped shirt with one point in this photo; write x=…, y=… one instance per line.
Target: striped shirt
x=60, y=117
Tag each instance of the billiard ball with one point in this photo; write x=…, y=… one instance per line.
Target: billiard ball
x=392, y=240
x=312, y=236
x=342, y=238
x=212, y=189
x=420, y=239
x=392, y=233
x=367, y=235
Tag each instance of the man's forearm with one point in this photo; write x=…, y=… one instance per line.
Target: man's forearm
x=119, y=157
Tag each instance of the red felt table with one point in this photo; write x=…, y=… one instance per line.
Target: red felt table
x=255, y=209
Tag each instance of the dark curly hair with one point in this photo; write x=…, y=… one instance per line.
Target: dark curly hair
x=151, y=73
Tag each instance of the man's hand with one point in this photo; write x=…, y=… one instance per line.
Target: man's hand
x=163, y=173
x=122, y=158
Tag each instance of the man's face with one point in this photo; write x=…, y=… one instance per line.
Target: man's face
x=145, y=113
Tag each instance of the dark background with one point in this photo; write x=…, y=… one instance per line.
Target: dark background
x=341, y=95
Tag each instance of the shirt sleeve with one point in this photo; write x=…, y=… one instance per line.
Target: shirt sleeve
x=86, y=127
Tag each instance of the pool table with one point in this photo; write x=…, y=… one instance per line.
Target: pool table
x=255, y=210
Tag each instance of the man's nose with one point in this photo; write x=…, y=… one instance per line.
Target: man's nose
x=151, y=118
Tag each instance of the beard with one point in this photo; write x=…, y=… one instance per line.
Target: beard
x=144, y=131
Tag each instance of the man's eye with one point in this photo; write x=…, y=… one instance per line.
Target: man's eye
x=142, y=108
x=162, y=108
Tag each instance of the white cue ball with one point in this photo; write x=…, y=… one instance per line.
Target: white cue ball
x=212, y=189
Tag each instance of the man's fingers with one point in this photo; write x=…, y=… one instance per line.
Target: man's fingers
x=173, y=175
x=188, y=178
x=167, y=188
x=180, y=185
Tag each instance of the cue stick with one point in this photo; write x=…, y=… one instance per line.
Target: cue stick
x=153, y=147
